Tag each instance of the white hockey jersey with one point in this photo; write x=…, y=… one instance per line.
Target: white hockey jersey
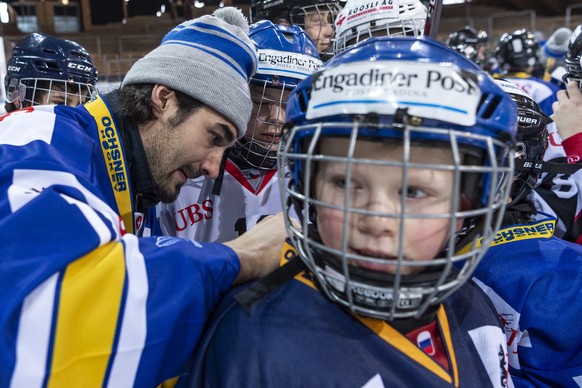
x=247, y=196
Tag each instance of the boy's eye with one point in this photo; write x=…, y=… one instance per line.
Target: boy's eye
x=340, y=183
x=413, y=192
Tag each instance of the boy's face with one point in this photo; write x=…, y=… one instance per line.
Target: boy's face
x=379, y=189
x=267, y=116
x=56, y=93
x=319, y=27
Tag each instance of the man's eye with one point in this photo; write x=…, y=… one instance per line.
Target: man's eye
x=216, y=138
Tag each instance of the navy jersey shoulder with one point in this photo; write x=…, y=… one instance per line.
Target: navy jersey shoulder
x=297, y=338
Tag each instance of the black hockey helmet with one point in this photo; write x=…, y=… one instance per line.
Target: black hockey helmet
x=467, y=41
x=516, y=51
x=531, y=139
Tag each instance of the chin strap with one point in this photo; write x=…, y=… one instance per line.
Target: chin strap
x=540, y=166
x=218, y=181
x=264, y=286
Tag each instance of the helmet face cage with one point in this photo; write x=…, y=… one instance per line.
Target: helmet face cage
x=286, y=55
x=340, y=270
x=44, y=91
x=357, y=22
x=573, y=56
x=517, y=51
x=44, y=69
x=389, y=282
x=317, y=18
x=269, y=101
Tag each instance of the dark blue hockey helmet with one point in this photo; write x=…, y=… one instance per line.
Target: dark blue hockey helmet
x=402, y=92
x=286, y=55
x=40, y=61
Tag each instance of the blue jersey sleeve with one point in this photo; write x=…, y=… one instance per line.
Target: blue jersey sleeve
x=81, y=301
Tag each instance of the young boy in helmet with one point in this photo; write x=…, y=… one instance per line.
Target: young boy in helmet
x=222, y=209
x=315, y=17
x=389, y=165
x=46, y=70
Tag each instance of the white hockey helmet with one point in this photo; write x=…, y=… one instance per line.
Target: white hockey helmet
x=361, y=19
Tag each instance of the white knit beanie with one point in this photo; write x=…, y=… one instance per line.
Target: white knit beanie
x=210, y=58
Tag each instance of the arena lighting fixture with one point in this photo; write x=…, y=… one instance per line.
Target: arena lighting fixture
x=198, y=4
x=4, y=15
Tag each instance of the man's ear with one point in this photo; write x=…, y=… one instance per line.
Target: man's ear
x=161, y=96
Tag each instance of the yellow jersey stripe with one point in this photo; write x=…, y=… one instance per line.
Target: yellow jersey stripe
x=403, y=344
x=88, y=311
x=448, y=342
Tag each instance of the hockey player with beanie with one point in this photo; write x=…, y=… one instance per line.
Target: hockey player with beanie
x=91, y=300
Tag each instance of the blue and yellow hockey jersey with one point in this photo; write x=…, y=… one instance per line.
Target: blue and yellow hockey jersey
x=83, y=302
x=535, y=282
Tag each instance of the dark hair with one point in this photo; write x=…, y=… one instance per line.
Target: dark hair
x=136, y=104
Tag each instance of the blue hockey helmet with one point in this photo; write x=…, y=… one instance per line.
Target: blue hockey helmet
x=40, y=61
x=286, y=55
x=409, y=92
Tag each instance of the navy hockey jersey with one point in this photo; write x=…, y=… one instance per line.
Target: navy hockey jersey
x=83, y=302
x=535, y=282
x=297, y=338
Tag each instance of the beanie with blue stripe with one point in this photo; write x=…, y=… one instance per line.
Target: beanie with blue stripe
x=210, y=58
